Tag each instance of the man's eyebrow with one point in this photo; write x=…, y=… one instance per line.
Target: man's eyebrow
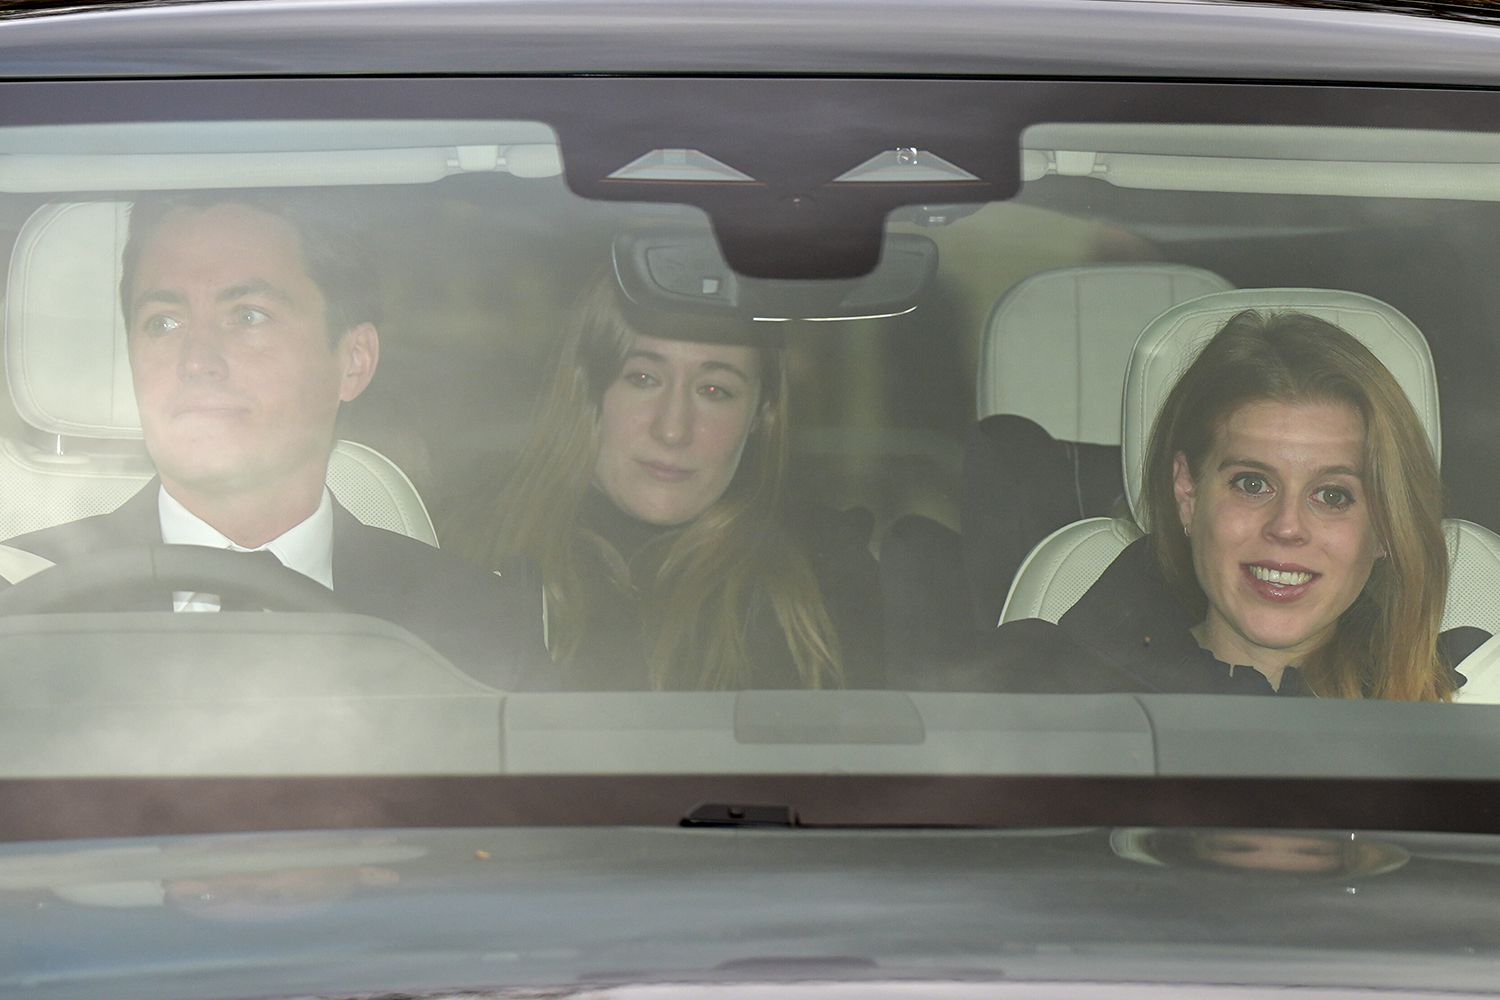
x=163, y=296
x=156, y=295
x=255, y=286
x=1327, y=470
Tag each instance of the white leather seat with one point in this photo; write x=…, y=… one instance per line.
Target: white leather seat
x=1064, y=565
x=1057, y=343
x=75, y=448
x=1474, y=599
x=1045, y=451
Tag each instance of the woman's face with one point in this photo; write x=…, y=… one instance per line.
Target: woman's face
x=1280, y=527
x=672, y=427
x=1271, y=852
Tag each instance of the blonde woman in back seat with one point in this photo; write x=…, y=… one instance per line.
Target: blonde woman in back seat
x=649, y=506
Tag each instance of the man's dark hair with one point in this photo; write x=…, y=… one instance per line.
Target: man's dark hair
x=335, y=253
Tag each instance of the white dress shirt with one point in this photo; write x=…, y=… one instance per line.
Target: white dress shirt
x=306, y=547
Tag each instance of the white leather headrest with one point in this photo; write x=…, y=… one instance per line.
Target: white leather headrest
x=1172, y=340
x=1058, y=342
x=65, y=356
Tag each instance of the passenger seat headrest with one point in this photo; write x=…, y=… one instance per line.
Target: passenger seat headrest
x=1170, y=342
x=65, y=356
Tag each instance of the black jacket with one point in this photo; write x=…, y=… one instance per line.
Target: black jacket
x=612, y=656
x=484, y=625
x=1129, y=633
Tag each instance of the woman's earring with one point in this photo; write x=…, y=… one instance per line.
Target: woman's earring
x=1187, y=532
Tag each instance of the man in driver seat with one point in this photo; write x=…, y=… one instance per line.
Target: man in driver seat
x=251, y=320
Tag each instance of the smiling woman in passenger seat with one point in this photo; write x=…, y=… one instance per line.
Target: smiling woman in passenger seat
x=650, y=501
x=1297, y=542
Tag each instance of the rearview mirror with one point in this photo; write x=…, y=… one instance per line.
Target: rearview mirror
x=684, y=270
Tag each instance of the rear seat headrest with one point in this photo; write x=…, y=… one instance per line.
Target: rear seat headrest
x=1057, y=342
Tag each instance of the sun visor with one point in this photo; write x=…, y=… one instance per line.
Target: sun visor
x=154, y=157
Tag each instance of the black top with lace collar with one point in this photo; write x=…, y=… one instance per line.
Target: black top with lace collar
x=1128, y=633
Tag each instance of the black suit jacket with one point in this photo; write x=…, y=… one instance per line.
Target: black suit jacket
x=488, y=626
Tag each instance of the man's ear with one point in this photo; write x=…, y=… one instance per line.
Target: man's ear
x=359, y=353
x=1184, y=489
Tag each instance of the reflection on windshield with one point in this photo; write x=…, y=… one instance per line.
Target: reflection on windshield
x=486, y=445
x=1305, y=855
x=246, y=879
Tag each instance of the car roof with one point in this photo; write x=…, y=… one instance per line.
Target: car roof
x=1185, y=39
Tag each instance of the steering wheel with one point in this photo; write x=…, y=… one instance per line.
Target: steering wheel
x=108, y=577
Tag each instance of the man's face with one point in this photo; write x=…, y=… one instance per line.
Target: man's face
x=236, y=378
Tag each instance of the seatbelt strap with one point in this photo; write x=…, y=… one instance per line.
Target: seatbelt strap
x=17, y=564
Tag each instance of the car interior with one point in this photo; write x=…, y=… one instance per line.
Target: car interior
x=984, y=395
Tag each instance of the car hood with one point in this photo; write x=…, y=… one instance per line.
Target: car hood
x=578, y=909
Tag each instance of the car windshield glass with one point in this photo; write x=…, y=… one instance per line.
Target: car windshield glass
x=1060, y=434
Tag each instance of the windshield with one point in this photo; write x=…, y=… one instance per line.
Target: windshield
x=964, y=499
x=568, y=433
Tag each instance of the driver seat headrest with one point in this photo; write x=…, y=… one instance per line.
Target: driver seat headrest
x=65, y=356
x=68, y=372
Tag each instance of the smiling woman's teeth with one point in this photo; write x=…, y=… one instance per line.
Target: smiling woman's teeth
x=1283, y=578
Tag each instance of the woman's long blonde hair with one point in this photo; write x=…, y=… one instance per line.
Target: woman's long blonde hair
x=708, y=577
x=1385, y=644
